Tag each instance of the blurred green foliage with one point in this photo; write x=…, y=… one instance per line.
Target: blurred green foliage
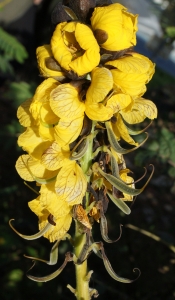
x=10, y=49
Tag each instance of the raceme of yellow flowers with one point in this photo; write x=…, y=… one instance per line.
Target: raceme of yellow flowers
x=76, y=122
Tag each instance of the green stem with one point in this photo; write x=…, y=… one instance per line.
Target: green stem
x=82, y=282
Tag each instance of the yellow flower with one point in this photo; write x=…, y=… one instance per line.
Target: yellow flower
x=71, y=183
x=114, y=28
x=133, y=111
x=54, y=165
x=129, y=181
x=62, y=220
x=31, y=169
x=101, y=85
x=75, y=48
x=47, y=64
x=131, y=73
x=65, y=103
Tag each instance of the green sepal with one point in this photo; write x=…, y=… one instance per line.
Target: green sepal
x=82, y=151
x=137, y=132
x=34, y=236
x=116, y=146
x=104, y=226
x=70, y=13
x=120, y=204
x=121, y=186
x=111, y=271
x=44, y=181
x=68, y=257
x=53, y=255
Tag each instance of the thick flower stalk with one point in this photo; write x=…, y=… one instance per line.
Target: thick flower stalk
x=75, y=126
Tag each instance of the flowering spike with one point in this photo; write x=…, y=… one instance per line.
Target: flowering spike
x=34, y=236
x=68, y=258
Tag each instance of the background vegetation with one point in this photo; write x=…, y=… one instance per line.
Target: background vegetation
x=153, y=210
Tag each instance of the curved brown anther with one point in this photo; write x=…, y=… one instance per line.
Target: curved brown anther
x=50, y=220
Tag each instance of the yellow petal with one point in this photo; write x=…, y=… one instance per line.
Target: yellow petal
x=132, y=73
x=141, y=109
x=36, y=206
x=129, y=180
x=43, y=53
x=65, y=102
x=54, y=157
x=122, y=129
x=98, y=112
x=55, y=204
x=119, y=26
x=56, y=232
x=23, y=113
x=72, y=50
x=119, y=102
x=42, y=96
x=71, y=183
x=58, y=207
x=67, y=131
x=31, y=142
x=59, y=49
x=101, y=84
x=91, y=57
x=29, y=168
x=147, y=107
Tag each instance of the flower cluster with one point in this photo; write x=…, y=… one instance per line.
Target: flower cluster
x=78, y=117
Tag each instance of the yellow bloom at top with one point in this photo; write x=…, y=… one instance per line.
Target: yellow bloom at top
x=114, y=28
x=75, y=48
x=131, y=73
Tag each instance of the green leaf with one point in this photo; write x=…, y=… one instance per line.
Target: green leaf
x=20, y=91
x=170, y=30
x=12, y=49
